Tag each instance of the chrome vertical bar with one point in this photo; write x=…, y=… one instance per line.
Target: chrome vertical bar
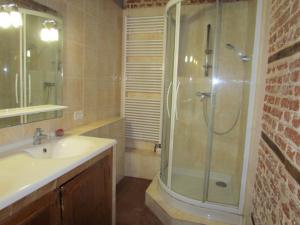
x=208, y=52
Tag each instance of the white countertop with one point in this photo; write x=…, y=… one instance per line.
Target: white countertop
x=21, y=174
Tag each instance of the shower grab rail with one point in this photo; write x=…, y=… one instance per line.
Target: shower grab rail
x=168, y=110
x=16, y=88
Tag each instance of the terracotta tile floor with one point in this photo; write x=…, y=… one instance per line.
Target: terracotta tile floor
x=131, y=208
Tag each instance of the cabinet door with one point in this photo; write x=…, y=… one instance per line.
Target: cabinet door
x=44, y=211
x=87, y=199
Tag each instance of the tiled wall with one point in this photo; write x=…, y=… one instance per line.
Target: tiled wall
x=92, y=64
x=159, y=3
x=113, y=130
x=277, y=186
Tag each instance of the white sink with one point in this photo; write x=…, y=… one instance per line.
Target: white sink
x=64, y=148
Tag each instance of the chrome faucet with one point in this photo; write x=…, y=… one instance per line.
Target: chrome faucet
x=203, y=95
x=38, y=136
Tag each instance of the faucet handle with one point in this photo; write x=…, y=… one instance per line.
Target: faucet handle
x=39, y=130
x=38, y=136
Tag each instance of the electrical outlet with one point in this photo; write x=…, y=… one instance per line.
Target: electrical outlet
x=78, y=115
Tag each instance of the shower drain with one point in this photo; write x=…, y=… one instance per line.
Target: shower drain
x=221, y=184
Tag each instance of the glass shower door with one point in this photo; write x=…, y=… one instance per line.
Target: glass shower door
x=194, y=83
x=231, y=99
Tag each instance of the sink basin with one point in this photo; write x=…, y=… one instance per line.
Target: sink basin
x=65, y=148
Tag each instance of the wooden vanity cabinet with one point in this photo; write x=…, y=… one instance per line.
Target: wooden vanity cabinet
x=87, y=199
x=80, y=198
x=44, y=211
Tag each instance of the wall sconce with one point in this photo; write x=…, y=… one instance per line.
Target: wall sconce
x=10, y=16
x=49, y=32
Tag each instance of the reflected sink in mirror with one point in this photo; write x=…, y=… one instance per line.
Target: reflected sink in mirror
x=64, y=148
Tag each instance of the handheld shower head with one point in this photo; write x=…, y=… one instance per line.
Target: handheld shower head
x=243, y=57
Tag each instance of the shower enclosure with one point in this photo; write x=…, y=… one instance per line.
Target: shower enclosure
x=208, y=86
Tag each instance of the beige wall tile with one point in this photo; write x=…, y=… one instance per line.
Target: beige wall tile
x=74, y=24
x=92, y=58
x=73, y=89
x=141, y=163
x=73, y=59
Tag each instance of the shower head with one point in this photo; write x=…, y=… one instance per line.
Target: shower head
x=243, y=57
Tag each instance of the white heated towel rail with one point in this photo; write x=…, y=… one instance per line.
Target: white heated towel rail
x=143, y=72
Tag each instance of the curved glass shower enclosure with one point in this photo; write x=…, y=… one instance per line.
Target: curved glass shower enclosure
x=208, y=63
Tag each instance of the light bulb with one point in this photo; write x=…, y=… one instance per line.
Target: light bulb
x=49, y=35
x=45, y=34
x=54, y=34
x=49, y=31
x=5, y=21
x=16, y=19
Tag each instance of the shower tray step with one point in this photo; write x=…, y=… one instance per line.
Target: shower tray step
x=162, y=205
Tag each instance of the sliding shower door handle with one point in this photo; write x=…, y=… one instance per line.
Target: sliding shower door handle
x=168, y=93
x=17, y=88
x=29, y=90
x=177, y=90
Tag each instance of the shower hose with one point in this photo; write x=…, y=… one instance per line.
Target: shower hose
x=236, y=119
x=214, y=130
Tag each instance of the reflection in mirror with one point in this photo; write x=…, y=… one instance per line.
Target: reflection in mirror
x=30, y=63
x=10, y=73
x=43, y=64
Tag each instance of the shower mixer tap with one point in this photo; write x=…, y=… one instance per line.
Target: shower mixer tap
x=203, y=95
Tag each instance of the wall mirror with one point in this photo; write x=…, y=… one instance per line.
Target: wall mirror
x=31, y=69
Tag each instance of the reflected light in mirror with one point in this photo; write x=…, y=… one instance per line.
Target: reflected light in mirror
x=49, y=32
x=186, y=59
x=10, y=16
x=16, y=19
x=4, y=20
x=49, y=35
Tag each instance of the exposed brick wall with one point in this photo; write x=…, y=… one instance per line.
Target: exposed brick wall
x=281, y=117
x=284, y=23
x=277, y=189
x=277, y=194
x=159, y=3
